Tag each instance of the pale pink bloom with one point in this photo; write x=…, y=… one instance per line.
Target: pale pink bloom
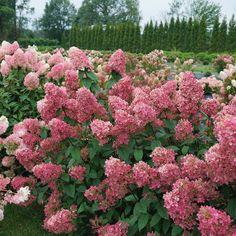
x=21, y=196
x=3, y=124
x=4, y=69
x=61, y=222
x=4, y=182
x=8, y=161
x=31, y=81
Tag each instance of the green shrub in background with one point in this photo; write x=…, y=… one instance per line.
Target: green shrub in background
x=24, y=42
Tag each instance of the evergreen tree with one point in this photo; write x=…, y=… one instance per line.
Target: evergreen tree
x=231, y=39
x=215, y=43
x=145, y=38
x=183, y=32
x=171, y=34
x=195, y=35
x=177, y=34
x=166, y=37
x=137, y=38
x=202, y=36
x=189, y=36
x=161, y=36
x=223, y=35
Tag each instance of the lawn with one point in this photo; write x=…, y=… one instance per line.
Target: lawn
x=23, y=221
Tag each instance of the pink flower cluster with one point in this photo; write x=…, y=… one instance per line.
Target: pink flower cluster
x=118, y=229
x=182, y=202
x=31, y=81
x=114, y=187
x=101, y=130
x=183, y=130
x=117, y=63
x=214, y=222
x=61, y=222
x=77, y=173
x=47, y=172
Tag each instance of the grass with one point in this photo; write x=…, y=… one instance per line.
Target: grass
x=23, y=221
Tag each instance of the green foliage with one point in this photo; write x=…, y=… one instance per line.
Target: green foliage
x=186, y=35
x=58, y=16
x=24, y=42
x=18, y=102
x=110, y=11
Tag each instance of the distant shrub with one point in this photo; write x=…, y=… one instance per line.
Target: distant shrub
x=24, y=42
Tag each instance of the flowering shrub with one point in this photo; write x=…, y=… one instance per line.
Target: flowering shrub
x=222, y=61
x=110, y=156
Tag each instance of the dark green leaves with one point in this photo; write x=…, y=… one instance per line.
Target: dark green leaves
x=138, y=154
x=69, y=190
x=231, y=208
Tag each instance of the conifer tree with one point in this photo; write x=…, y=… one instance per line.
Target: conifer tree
x=231, y=39
x=189, y=36
x=202, y=36
x=183, y=32
x=177, y=32
x=195, y=34
x=223, y=35
x=215, y=36
x=171, y=34
x=166, y=37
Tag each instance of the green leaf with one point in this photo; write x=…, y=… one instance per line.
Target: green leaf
x=82, y=208
x=133, y=220
x=163, y=212
x=65, y=177
x=91, y=76
x=128, y=209
x=70, y=121
x=140, y=208
x=170, y=124
x=165, y=226
x=142, y=221
x=176, y=231
x=93, y=174
x=123, y=153
x=130, y=198
x=138, y=154
x=87, y=83
x=231, y=208
x=155, y=220
x=185, y=150
x=43, y=133
x=69, y=190
x=75, y=153
x=173, y=148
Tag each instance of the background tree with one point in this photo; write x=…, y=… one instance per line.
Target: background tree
x=6, y=19
x=231, y=39
x=215, y=43
x=223, y=35
x=196, y=9
x=22, y=12
x=58, y=16
x=108, y=11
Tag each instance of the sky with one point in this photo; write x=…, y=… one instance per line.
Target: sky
x=150, y=9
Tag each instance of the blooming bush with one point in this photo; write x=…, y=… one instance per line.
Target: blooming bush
x=110, y=156
x=222, y=61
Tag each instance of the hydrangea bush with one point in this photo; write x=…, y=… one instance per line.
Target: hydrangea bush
x=111, y=156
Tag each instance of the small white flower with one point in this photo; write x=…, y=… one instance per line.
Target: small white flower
x=233, y=82
x=23, y=194
x=228, y=87
x=3, y=124
x=223, y=75
x=1, y=214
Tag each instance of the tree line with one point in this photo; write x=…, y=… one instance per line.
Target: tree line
x=187, y=35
